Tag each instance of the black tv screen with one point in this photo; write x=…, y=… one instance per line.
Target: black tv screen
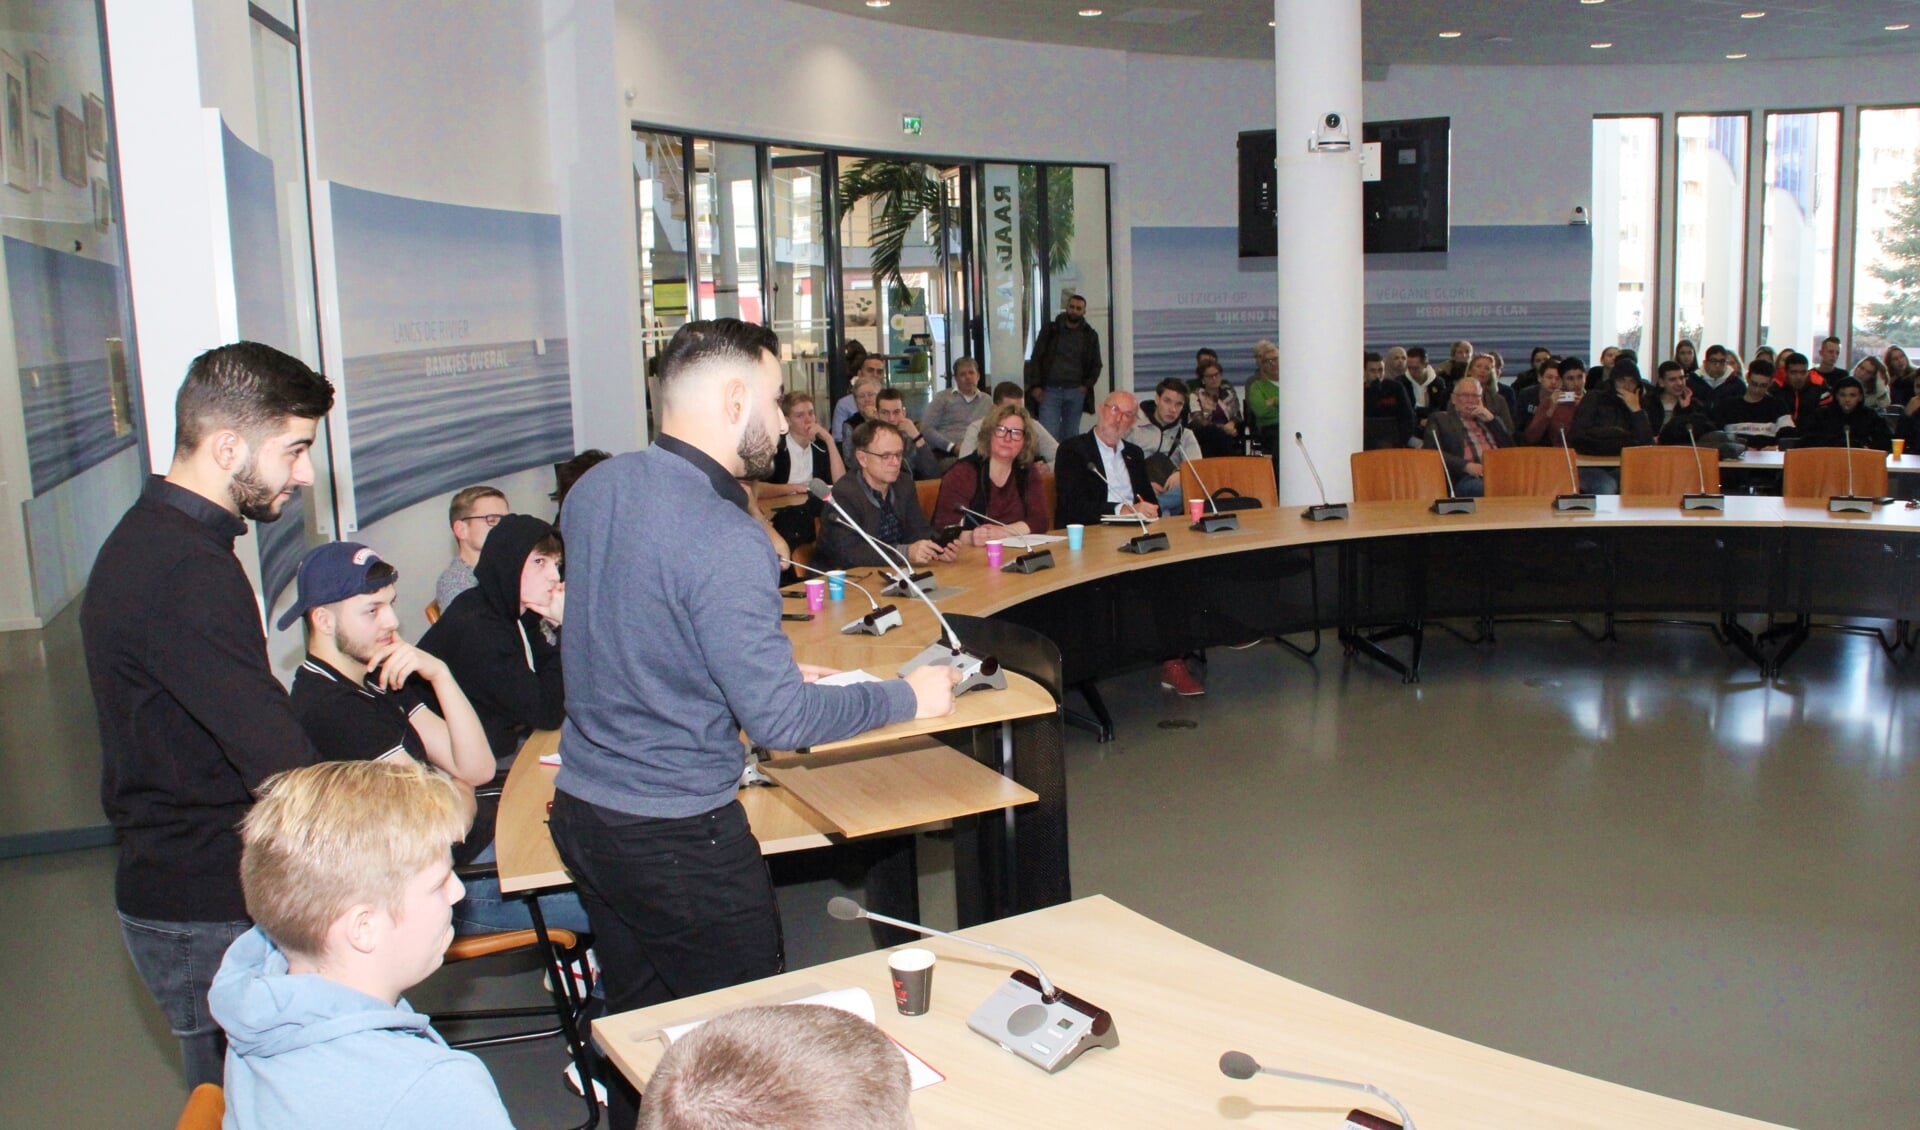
x=1405, y=210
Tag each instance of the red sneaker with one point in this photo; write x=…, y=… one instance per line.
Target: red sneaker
x=1175, y=677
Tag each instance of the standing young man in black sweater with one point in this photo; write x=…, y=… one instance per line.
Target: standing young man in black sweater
x=192, y=719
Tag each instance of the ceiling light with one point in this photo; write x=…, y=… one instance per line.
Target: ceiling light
x=1449, y=35
x=878, y=3
x=1737, y=55
x=1092, y=12
x=1898, y=27
x=1602, y=46
x=1269, y=23
x=1752, y=15
x=1593, y=1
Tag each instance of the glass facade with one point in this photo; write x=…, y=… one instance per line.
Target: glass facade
x=1801, y=221
x=1710, y=240
x=1626, y=229
x=1886, y=230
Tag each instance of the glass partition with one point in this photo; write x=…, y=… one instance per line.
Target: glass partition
x=726, y=215
x=1796, y=247
x=797, y=260
x=1711, y=230
x=1886, y=256
x=1626, y=189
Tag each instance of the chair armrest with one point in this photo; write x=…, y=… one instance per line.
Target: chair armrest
x=506, y=941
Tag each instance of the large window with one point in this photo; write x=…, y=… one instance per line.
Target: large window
x=1710, y=239
x=1796, y=247
x=1886, y=225
x=1626, y=229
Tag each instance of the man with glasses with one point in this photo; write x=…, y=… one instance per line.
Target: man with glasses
x=872, y=493
x=473, y=514
x=921, y=460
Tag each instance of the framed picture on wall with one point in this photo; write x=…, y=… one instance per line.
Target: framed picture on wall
x=40, y=153
x=72, y=135
x=13, y=120
x=39, y=85
x=96, y=127
x=102, y=205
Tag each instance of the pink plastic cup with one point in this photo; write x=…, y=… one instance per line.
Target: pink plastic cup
x=994, y=553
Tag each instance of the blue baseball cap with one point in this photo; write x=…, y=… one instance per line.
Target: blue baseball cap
x=331, y=573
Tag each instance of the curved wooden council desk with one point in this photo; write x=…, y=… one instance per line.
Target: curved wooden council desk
x=1177, y=1005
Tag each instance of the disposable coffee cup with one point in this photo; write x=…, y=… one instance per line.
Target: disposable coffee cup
x=1075, y=535
x=837, y=584
x=1195, y=508
x=994, y=552
x=1899, y=448
x=912, y=971
x=816, y=594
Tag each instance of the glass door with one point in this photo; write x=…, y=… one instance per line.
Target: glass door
x=797, y=264
x=726, y=215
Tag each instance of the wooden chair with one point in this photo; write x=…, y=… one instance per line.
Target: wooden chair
x=1050, y=489
x=433, y=611
x=1821, y=473
x=205, y=1108
x=1527, y=472
x=1250, y=475
x=1398, y=474
x=1667, y=472
x=929, y=495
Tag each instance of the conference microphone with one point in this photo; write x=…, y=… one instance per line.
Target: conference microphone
x=877, y=622
x=1215, y=522
x=977, y=672
x=1030, y=562
x=1578, y=499
x=1028, y=1016
x=1147, y=541
x=1849, y=503
x=1453, y=503
x=1703, y=500
x=1326, y=511
x=1240, y=1065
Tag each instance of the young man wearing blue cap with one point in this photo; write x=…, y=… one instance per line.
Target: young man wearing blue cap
x=356, y=694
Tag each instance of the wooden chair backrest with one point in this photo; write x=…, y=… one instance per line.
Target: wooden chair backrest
x=1398, y=474
x=1251, y=475
x=1821, y=472
x=1668, y=472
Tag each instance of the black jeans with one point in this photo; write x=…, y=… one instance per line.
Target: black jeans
x=177, y=960
x=678, y=906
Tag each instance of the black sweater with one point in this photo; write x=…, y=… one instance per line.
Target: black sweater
x=192, y=719
x=486, y=641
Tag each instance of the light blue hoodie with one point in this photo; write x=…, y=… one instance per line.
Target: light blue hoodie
x=303, y=1051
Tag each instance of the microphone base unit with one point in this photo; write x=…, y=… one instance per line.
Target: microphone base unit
x=1216, y=523
x=876, y=623
x=1030, y=562
x=1572, y=502
x=1146, y=543
x=977, y=672
x=1850, y=504
x=923, y=580
x=1048, y=1034
x=1453, y=506
x=1703, y=502
x=1325, y=512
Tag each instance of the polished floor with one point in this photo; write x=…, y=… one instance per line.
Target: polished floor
x=1634, y=860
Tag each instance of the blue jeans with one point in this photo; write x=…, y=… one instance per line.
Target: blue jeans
x=1469, y=486
x=485, y=910
x=1060, y=411
x=1169, y=500
x=177, y=960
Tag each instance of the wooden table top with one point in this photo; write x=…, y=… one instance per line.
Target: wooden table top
x=1177, y=1005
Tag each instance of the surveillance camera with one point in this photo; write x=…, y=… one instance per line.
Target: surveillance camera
x=1580, y=218
x=1332, y=135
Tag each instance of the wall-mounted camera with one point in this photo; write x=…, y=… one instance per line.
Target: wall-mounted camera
x=1580, y=217
x=1332, y=136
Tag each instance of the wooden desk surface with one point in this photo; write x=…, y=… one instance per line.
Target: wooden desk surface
x=1177, y=1005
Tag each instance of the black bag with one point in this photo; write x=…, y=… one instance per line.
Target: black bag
x=797, y=525
x=1603, y=441
x=1226, y=498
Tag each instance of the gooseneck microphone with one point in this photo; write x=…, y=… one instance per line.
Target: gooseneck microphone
x=977, y=672
x=1215, y=522
x=1240, y=1065
x=1453, y=503
x=1575, y=499
x=1146, y=541
x=1849, y=503
x=1028, y=1015
x=879, y=619
x=1326, y=511
x=1704, y=500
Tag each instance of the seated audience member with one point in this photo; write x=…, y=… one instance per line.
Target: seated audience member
x=350, y=882
x=1829, y=369
x=1500, y=384
x=1876, y=390
x=921, y=462
x=568, y=473
x=473, y=513
x=1485, y=368
x=1464, y=433
x=1537, y=360
x=1160, y=430
x=866, y=394
x=1607, y=357
x=1803, y=392
x=955, y=411
x=860, y=367
x=1765, y=353
x=1675, y=413
x=1459, y=357
x=1613, y=416
x=1719, y=378
x=1425, y=386
x=1687, y=356
x=492, y=636
x=807, y=452
x=1201, y=357
x=1756, y=417
x=1003, y=483
x=780, y=1067
x=1045, y=447
x=1545, y=387
x=1263, y=397
x=1388, y=413
x=1215, y=416
x=1900, y=374
x=1100, y=472
x=1848, y=421
x=883, y=501
x=1554, y=418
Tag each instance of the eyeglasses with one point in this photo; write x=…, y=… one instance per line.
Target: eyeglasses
x=886, y=456
x=491, y=520
x=1009, y=433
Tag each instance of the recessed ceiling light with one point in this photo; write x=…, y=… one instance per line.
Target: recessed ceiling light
x=1600, y=46
x=1092, y=12
x=1737, y=55
x=1270, y=23
x=1593, y=1
x=879, y=3
x=1449, y=35
x=1753, y=15
x=1898, y=27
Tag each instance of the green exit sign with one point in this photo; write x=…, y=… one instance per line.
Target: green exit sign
x=910, y=123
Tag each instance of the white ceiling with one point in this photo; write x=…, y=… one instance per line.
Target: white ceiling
x=1407, y=31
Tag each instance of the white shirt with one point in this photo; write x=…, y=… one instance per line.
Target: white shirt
x=800, y=460
x=1119, y=483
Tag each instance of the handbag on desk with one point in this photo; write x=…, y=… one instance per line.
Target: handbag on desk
x=1226, y=499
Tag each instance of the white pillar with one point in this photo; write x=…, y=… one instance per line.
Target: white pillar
x=1321, y=331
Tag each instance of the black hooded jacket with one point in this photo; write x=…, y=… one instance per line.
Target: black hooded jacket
x=486, y=641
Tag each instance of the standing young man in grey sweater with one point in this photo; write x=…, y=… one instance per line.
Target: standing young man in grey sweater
x=673, y=646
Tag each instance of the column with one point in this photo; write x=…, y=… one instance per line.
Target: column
x=1316, y=51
